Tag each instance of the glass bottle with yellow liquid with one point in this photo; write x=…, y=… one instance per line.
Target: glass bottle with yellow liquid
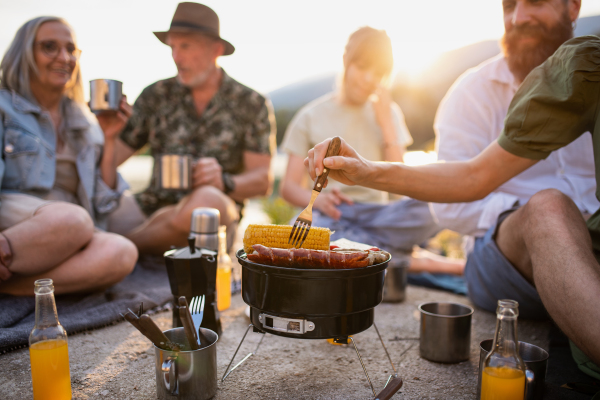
x=503, y=375
x=223, y=272
x=48, y=349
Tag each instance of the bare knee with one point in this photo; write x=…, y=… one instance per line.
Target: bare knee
x=68, y=219
x=120, y=256
x=549, y=206
x=205, y=196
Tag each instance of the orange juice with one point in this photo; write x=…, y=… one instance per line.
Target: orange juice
x=502, y=383
x=50, y=373
x=223, y=288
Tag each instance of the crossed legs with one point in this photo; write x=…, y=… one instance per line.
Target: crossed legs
x=548, y=242
x=170, y=226
x=59, y=242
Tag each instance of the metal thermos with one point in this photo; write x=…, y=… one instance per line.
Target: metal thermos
x=105, y=95
x=205, y=228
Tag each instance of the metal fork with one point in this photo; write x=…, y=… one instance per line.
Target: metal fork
x=197, y=311
x=304, y=221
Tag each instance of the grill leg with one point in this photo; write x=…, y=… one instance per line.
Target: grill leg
x=386, y=352
x=363, y=366
x=226, y=374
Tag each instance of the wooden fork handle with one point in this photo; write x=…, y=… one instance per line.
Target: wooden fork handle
x=333, y=150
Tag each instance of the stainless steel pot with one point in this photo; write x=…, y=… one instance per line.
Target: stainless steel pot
x=394, y=287
x=105, y=95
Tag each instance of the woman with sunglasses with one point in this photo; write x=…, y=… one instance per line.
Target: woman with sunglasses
x=58, y=176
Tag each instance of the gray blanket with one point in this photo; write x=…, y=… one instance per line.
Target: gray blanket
x=147, y=283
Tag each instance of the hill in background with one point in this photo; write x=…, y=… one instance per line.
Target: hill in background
x=419, y=98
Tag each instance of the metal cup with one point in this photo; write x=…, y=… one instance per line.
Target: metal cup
x=105, y=95
x=394, y=286
x=445, y=332
x=174, y=172
x=186, y=375
x=536, y=362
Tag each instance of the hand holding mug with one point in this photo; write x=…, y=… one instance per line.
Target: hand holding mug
x=113, y=122
x=208, y=171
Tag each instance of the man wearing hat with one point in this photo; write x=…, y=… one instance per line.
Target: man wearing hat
x=202, y=112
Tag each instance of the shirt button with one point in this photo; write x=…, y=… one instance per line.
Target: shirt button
x=9, y=148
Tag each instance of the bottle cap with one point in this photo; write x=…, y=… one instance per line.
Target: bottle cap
x=205, y=220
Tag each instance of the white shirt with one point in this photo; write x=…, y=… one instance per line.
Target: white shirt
x=326, y=117
x=469, y=118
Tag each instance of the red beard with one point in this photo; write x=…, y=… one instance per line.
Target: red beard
x=524, y=57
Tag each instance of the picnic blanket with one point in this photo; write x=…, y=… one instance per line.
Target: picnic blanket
x=147, y=283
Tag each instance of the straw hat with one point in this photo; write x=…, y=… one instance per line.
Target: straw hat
x=194, y=17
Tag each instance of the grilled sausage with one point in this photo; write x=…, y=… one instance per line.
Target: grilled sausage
x=316, y=259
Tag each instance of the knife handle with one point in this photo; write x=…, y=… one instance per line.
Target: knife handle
x=154, y=333
x=188, y=327
x=332, y=150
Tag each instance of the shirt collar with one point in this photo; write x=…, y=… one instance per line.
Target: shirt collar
x=75, y=116
x=23, y=105
x=501, y=73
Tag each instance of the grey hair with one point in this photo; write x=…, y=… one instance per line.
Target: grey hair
x=19, y=62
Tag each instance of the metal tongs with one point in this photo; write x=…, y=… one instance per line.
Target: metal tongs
x=143, y=323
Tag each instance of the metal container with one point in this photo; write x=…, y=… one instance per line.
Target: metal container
x=194, y=274
x=173, y=172
x=105, y=95
x=396, y=275
x=205, y=227
x=186, y=375
x=536, y=363
x=311, y=303
x=445, y=332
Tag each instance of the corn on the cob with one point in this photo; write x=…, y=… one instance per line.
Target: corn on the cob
x=278, y=236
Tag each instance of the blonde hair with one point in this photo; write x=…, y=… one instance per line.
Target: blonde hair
x=19, y=61
x=372, y=47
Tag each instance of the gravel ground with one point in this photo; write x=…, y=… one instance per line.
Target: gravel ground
x=117, y=362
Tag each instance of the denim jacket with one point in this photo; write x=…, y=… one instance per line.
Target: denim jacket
x=28, y=163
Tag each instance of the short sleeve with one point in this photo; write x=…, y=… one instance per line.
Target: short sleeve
x=260, y=135
x=296, y=140
x=556, y=103
x=137, y=130
x=402, y=133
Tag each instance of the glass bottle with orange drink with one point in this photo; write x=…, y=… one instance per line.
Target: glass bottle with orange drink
x=223, y=272
x=48, y=349
x=503, y=375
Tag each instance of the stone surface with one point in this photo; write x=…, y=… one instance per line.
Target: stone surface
x=117, y=362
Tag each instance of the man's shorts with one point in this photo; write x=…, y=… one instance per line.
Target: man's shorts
x=491, y=277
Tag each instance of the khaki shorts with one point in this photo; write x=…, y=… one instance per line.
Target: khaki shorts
x=17, y=207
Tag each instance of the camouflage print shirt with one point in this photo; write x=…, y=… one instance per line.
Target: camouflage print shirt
x=237, y=119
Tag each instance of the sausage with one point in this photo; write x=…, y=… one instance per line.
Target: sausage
x=315, y=259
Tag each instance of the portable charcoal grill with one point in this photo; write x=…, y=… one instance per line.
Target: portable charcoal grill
x=312, y=304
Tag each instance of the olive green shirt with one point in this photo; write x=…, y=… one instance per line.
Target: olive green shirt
x=557, y=103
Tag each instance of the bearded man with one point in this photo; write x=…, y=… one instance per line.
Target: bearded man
x=471, y=116
x=226, y=127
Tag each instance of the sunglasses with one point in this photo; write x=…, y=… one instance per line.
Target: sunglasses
x=52, y=49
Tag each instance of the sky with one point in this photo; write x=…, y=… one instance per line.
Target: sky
x=277, y=42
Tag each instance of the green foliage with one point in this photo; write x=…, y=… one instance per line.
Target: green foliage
x=279, y=211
